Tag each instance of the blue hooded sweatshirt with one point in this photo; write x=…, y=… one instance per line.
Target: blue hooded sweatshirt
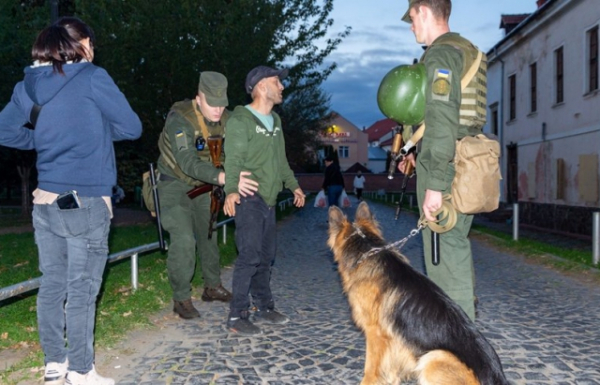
x=82, y=113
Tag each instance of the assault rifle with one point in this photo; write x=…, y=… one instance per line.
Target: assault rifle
x=161, y=239
x=397, y=153
x=217, y=196
x=408, y=173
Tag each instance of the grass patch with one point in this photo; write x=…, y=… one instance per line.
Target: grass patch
x=570, y=258
x=120, y=309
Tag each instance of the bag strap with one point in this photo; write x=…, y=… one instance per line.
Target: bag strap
x=33, y=115
x=464, y=82
x=36, y=109
x=201, y=122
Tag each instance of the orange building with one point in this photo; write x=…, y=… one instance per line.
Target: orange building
x=348, y=140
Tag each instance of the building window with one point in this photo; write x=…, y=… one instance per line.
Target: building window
x=512, y=95
x=494, y=118
x=592, y=37
x=343, y=151
x=533, y=87
x=559, y=73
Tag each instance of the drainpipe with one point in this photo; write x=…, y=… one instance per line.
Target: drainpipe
x=501, y=122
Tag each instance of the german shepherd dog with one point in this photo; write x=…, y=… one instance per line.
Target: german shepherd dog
x=412, y=328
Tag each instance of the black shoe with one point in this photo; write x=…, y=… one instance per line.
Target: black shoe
x=243, y=326
x=218, y=293
x=271, y=316
x=185, y=309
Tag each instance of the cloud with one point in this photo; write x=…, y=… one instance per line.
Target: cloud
x=361, y=65
x=379, y=41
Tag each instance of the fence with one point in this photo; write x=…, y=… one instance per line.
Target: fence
x=133, y=253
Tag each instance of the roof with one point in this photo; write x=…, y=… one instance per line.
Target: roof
x=387, y=142
x=543, y=7
x=357, y=167
x=377, y=153
x=335, y=118
x=380, y=128
x=512, y=20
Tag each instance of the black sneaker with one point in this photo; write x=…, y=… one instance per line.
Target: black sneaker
x=271, y=316
x=243, y=326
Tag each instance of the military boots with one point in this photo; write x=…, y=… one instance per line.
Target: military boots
x=218, y=293
x=185, y=309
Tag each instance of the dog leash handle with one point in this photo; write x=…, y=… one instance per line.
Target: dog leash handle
x=435, y=248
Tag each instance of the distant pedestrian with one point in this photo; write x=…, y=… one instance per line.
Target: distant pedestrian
x=117, y=194
x=359, y=184
x=333, y=184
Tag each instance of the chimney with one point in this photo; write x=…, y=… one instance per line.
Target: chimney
x=541, y=2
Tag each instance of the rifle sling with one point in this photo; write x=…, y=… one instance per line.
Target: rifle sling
x=201, y=121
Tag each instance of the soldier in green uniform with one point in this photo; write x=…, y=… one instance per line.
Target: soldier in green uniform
x=185, y=163
x=450, y=114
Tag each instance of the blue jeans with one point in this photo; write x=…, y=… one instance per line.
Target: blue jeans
x=333, y=194
x=73, y=250
x=256, y=240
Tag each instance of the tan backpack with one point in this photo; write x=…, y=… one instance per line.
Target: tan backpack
x=476, y=184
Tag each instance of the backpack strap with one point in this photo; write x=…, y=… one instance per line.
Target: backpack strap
x=33, y=115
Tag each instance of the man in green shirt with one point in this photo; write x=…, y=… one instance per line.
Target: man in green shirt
x=255, y=144
x=184, y=163
x=449, y=116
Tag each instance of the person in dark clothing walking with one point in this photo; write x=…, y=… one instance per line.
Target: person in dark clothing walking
x=333, y=184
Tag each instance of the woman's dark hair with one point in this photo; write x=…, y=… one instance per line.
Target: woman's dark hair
x=60, y=43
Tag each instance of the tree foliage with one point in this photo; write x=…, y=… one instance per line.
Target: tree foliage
x=155, y=51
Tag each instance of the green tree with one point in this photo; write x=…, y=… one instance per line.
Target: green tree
x=20, y=21
x=155, y=50
x=304, y=116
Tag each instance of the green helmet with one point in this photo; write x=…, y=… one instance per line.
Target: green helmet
x=401, y=94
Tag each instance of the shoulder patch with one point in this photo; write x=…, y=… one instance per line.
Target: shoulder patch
x=441, y=86
x=181, y=140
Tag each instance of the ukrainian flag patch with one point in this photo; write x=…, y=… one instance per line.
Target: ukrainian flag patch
x=181, y=140
x=441, y=86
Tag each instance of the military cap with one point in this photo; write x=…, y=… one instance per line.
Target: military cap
x=406, y=16
x=261, y=72
x=214, y=87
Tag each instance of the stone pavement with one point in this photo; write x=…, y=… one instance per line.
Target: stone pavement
x=544, y=326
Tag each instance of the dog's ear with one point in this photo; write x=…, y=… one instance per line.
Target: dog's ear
x=363, y=212
x=336, y=219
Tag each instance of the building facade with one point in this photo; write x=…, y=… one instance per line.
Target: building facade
x=544, y=104
x=348, y=140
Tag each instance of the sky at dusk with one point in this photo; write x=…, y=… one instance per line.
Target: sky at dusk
x=380, y=40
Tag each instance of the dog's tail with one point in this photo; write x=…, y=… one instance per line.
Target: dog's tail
x=440, y=367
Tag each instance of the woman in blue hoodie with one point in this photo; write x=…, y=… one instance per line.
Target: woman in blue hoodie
x=76, y=112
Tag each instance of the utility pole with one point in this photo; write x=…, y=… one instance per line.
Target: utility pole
x=53, y=10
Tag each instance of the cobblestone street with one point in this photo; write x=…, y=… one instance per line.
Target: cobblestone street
x=544, y=326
